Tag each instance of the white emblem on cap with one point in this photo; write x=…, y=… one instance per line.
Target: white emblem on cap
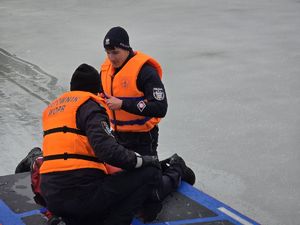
x=107, y=41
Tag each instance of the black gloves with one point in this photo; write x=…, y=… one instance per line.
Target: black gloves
x=147, y=160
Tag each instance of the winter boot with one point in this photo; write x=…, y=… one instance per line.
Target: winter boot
x=26, y=164
x=165, y=164
x=186, y=173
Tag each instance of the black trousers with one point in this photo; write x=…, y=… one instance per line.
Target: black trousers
x=111, y=200
x=145, y=143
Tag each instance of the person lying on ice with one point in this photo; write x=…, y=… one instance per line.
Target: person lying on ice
x=77, y=144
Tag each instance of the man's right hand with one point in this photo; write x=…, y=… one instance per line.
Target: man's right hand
x=149, y=160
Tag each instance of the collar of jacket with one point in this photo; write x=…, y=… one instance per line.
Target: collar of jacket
x=131, y=54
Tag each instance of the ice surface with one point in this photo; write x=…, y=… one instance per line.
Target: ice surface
x=231, y=70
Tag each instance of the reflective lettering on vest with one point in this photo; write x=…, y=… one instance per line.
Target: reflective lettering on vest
x=65, y=146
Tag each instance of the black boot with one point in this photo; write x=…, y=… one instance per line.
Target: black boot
x=165, y=164
x=26, y=163
x=186, y=173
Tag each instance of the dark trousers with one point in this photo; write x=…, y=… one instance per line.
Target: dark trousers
x=145, y=143
x=111, y=200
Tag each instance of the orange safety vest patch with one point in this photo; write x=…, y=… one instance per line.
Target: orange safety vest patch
x=65, y=147
x=123, y=86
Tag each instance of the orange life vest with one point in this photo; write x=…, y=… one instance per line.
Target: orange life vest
x=123, y=86
x=65, y=147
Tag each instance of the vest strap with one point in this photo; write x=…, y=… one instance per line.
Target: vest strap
x=66, y=156
x=132, y=98
x=64, y=129
x=130, y=122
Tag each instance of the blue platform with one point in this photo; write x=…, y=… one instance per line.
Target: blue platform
x=186, y=206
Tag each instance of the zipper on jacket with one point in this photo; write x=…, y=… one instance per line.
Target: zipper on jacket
x=112, y=94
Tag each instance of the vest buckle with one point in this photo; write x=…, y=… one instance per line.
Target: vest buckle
x=64, y=129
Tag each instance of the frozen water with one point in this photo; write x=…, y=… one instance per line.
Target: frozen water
x=231, y=70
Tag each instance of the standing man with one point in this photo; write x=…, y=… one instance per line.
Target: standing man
x=77, y=143
x=134, y=93
x=136, y=98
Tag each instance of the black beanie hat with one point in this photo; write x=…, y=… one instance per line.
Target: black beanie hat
x=116, y=37
x=85, y=78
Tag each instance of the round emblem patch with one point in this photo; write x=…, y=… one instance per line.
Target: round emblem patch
x=158, y=94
